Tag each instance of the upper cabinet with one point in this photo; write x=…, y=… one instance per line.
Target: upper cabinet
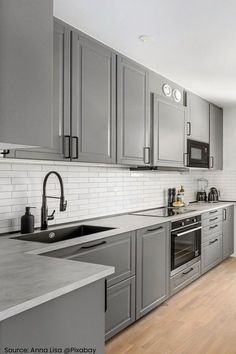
x=169, y=137
x=133, y=120
x=216, y=138
x=93, y=121
x=26, y=71
x=198, y=118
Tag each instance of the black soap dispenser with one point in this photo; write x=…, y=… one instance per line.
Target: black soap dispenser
x=27, y=222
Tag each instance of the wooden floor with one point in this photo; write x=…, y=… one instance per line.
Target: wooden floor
x=201, y=319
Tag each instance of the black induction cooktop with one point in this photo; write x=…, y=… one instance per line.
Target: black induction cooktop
x=164, y=212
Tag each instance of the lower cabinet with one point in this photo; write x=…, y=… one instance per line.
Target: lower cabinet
x=187, y=276
x=120, y=307
x=153, y=267
x=228, y=231
x=211, y=253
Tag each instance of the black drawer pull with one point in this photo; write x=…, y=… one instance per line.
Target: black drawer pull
x=188, y=271
x=213, y=227
x=213, y=212
x=96, y=245
x=213, y=241
x=67, y=146
x=155, y=229
x=213, y=219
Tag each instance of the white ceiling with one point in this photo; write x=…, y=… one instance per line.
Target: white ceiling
x=191, y=42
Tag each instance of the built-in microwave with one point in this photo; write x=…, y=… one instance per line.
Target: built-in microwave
x=198, y=154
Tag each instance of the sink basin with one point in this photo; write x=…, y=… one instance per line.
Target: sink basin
x=67, y=233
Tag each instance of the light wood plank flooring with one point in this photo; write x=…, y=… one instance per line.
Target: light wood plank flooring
x=201, y=319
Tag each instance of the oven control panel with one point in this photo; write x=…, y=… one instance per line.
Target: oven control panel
x=185, y=222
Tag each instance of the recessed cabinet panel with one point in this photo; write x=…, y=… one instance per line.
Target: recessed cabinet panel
x=26, y=72
x=93, y=101
x=168, y=132
x=132, y=113
x=60, y=120
x=216, y=138
x=198, y=118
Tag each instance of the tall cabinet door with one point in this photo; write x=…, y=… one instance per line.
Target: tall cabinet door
x=216, y=138
x=228, y=231
x=198, y=120
x=60, y=120
x=168, y=132
x=133, y=126
x=153, y=268
x=93, y=101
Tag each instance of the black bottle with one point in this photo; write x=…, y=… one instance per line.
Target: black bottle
x=27, y=222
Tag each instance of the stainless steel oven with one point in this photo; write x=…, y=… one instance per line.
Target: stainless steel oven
x=198, y=154
x=185, y=243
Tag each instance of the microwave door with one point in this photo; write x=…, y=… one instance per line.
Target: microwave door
x=198, y=154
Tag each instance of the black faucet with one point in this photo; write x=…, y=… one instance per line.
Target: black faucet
x=44, y=210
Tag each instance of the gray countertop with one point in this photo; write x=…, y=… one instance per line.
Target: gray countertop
x=28, y=279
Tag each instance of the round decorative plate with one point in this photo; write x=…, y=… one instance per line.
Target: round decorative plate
x=177, y=95
x=167, y=90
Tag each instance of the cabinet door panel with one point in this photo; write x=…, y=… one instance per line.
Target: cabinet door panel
x=120, y=307
x=26, y=85
x=199, y=118
x=228, y=231
x=216, y=138
x=93, y=110
x=60, y=121
x=132, y=113
x=152, y=268
x=168, y=132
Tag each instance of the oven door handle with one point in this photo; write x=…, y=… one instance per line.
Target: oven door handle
x=188, y=232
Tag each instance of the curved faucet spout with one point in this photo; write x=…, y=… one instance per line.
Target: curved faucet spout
x=44, y=210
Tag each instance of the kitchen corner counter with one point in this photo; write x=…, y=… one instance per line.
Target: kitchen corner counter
x=29, y=279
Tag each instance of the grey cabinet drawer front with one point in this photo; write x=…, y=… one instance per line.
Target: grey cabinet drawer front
x=211, y=214
x=120, y=307
x=214, y=219
x=211, y=253
x=117, y=251
x=209, y=231
x=182, y=279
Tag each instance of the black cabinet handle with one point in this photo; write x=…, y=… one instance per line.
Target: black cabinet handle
x=146, y=155
x=213, y=241
x=76, y=147
x=213, y=219
x=212, y=162
x=155, y=229
x=213, y=212
x=188, y=271
x=96, y=245
x=105, y=295
x=213, y=227
x=186, y=159
x=225, y=214
x=67, y=142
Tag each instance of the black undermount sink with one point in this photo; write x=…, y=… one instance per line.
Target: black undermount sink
x=49, y=236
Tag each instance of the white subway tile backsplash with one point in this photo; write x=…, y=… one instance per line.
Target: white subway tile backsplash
x=94, y=190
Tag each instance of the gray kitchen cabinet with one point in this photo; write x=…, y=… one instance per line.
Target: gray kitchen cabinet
x=153, y=267
x=216, y=138
x=60, y=120
x=117, y=251
x=169, y=138
x=74, y=319
x=198, y=118
x=184, y=278
x=133, y=121
x=211, y=253
x=93, y=101
x=228, y=231
x=26, y=71
x=120, y=307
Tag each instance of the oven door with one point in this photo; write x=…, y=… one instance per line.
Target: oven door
x=198, y=154
x=185, y=246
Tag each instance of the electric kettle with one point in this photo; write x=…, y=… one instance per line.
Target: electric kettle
x=213, y=195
